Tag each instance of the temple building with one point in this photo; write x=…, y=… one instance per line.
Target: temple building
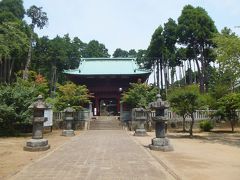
x=106, y=79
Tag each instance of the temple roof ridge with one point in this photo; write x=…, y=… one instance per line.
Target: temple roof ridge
x=108, y=66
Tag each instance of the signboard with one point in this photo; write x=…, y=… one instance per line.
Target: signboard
x=48, y=113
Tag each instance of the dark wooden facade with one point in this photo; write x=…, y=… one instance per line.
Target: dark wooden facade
x=107, y=90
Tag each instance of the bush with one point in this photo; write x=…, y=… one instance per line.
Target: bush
x=75, y=95
x=139, y=95
x=206, y=125
x=14, y=102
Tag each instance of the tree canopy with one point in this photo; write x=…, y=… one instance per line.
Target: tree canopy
x=95, y=49
x=13, y=6
x=196, y=30
x=139, y=95
x=39, y=19
x=120, y=53
x=228, y=105
x=74, y=95
x=185, y=101
x=228, y=53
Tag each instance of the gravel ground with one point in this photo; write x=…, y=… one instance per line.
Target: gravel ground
x=13, y=158
x=207, y=156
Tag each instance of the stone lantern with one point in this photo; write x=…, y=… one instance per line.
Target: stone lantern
x=139, y=115
x=68, y=120
x=160, y=143
x=37, y=143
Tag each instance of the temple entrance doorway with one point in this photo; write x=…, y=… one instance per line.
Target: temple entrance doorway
x=108, y=107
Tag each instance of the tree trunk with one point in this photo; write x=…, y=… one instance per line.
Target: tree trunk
x=184, y=124
x=201, y=78
x=203, y=71
x=180, y=75
x=25, y=72
x=154, y=73
x=161, y=73
x=184, y=73
x=158, y=83
x=190, y=72
x=53, y=81
x=10, y=70
x=0, y=68
x=168, y=72
x=200, y=73
x=178, y=80
x=232, y=124
x=5, y=70
x=166, y=77
x=172, y=74
x=191, y=125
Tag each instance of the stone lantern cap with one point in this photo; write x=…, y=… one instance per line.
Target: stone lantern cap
x=69, y=113
x=38, y=104
x=159, y=104
x=139, y=114
x=139, y=109
x=69, y=109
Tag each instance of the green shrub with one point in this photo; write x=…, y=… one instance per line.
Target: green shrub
x=139, y=95
x=206, y=125
x=15, y=99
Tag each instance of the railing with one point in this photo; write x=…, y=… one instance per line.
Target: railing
x=58, y=116
x=198, y=115
x=126, y=115
x=78, y=116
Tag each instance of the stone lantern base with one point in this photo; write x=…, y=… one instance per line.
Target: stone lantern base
x=140, y=132
x=36, y=145
x=161, y=144
x=68, y=133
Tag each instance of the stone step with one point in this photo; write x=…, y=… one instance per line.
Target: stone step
x=105, y=128
x=105, y=123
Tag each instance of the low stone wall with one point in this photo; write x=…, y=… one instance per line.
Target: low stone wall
x=81, y=125
x=81, y=120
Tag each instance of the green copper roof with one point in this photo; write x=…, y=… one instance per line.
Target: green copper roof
x=107, y=66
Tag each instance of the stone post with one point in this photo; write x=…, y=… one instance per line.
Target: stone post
x=90, y=110
x=161, y=142
x=68, y=112
x=140, y=116
x=121, y=111
x=37, y=143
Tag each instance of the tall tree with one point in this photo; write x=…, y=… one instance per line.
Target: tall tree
x=228, y=53
x=13, y=44
x=196, y=30
x=13, y=38
x=95, y=49
x=52, y=56
x=132, y=53
x=155, y=53
x=39, y=19
x=141, y=57
x=120, y=53
x=170, y=39
x=13, y=6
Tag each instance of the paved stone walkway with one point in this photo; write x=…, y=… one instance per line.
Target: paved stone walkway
x=97, y=154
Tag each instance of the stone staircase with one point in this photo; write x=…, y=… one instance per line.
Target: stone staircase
x=105, y=123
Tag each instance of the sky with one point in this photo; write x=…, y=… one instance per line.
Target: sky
x=125, y=24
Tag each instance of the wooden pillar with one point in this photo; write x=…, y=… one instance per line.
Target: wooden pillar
x=97, y=105
x=118, y=103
